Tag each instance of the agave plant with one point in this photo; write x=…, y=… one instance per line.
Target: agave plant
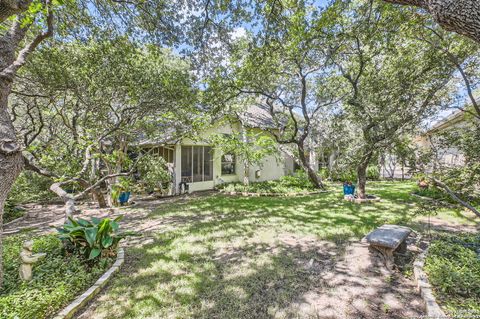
x=91, y=238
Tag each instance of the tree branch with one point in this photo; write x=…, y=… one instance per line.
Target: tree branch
x=454, y=196
x=10, y=71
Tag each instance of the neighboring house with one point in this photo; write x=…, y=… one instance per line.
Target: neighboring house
x=429, y=141
x=197, y=164
x=445, y=156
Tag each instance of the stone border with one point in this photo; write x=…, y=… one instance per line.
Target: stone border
x=425, y=289
x=247, y=194
x=70, y=310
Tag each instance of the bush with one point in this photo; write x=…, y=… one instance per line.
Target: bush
x=11, y=211
x=91, y=238
x=298, y=183
x=57, y=279
x=28, y=187
x=453, y=267
x=373, y=173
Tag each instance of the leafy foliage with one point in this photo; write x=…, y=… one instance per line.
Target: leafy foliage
x=349, y=174
x=91, y=238
x=453, y=267
x=251, y=146
x=298, y=183
x=153, y=171
x=57, y=279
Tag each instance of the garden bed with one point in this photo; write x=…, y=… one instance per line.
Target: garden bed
x=297, y=185
x=57, y=279
x=271, y=194
x=453, y=268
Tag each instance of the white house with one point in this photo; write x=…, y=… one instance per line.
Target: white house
x=428, y=141
x=201, y=166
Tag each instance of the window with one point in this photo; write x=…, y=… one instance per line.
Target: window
x=228, y=164
x=165, y=152
x=197, y=164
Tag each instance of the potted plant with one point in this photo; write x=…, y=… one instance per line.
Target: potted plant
x=121, y=191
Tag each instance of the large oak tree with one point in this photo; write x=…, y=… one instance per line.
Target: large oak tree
x=460, y=16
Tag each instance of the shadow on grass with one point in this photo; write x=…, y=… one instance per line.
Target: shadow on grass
x=247, y=257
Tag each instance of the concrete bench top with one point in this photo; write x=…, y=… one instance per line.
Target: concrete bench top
x=389, y=236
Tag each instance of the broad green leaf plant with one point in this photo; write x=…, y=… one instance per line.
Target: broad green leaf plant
x=91, y=239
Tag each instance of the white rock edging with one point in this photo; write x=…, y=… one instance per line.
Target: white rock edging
x=425, y=289
x=81, y=300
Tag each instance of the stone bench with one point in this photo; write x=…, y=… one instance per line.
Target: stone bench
x=387, y=239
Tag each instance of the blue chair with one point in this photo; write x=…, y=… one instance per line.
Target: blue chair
x=348, y=190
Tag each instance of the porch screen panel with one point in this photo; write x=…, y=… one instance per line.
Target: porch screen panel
x=207, y=163
x=187, y=163
x=197, y=163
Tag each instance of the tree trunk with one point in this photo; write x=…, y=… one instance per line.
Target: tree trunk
x=99, y=198
x=312, y=175
x=246, y=164
x=11, y=160
x=313, y=160
x=362, y=174
x=246, y=172
x=362, y=180
x=67, y=198
x=460, y=16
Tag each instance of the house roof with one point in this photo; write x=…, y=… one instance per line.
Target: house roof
x=254, y=116
x=446, y=122
x=257, y=116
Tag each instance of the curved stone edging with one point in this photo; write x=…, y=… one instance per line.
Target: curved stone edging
x=247, y=194
x=425, y=289
x=81, y=300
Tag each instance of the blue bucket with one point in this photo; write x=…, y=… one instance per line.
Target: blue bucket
x=123, y=198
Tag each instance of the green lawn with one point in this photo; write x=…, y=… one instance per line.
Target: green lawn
x=239, y=257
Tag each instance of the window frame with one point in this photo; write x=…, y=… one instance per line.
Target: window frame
x=234, y=163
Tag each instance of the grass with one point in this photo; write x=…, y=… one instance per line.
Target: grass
x=58, y=279
x=245, y=257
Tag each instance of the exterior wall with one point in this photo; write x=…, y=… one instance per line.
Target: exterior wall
x=271, y=168
x=449, y=156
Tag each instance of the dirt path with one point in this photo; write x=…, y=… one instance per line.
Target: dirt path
x=41, y=219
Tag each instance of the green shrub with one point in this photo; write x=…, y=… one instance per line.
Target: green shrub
x=373, y=173
x=30, y=187
x=11, y=212
x=91, y=238
x=453, y=267
x=57, y=279
x=298, y=183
